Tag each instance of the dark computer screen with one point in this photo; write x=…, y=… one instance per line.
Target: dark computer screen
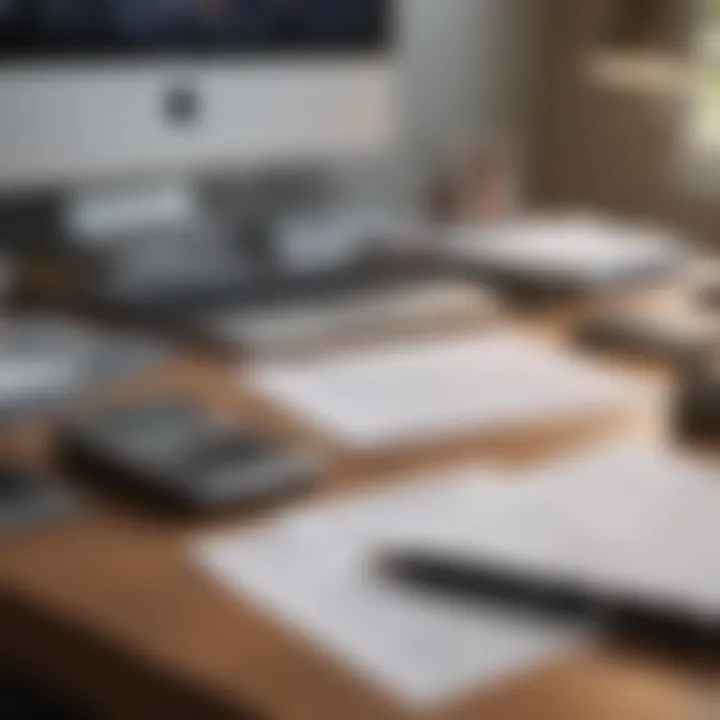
x=127, y=27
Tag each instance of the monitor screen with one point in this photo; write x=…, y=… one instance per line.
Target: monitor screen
x=36, y=28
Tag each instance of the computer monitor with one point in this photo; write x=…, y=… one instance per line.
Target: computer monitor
x=111, y=88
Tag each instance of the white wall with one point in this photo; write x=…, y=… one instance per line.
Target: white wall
x=463, y=75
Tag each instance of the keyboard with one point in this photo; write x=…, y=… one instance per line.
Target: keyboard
x=361, y=313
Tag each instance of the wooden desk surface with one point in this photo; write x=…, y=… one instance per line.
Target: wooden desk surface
x=110, y=610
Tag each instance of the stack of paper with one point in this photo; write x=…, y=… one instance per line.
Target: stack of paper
x=582, y=251
x=314, y=569
x=355, y=317
x=430, y=391
x=625, y=522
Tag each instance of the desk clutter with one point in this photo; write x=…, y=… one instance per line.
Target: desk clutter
x=439, y=583
x=174, y=455
x=703, y=279
x=355, y=316
x=46, y=360
x=620, y=537
x=697, y=404
x=313, y=570
x=624, y=535
x=571, y=256
x=680, y=338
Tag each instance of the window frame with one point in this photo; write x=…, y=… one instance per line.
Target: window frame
x=700, y=162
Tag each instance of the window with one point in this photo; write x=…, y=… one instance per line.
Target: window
x=706, y=95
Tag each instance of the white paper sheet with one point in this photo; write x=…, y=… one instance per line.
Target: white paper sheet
x=575, y=248
x=21, y=378
x=629, y=520
x=312, y=569
x=428, y=391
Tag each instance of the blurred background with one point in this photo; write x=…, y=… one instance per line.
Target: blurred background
x=258, y=253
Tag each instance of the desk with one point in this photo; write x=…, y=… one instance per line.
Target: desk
x=110, y=611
